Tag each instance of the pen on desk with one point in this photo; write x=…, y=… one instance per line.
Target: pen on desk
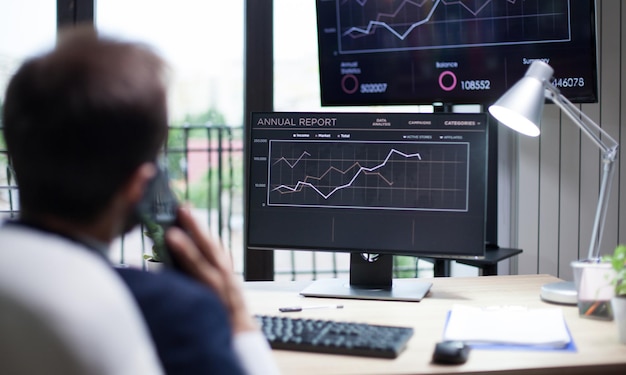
x=300, y=308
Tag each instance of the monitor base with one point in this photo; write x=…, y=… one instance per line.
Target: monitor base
x=409, y=290
x=562, y=292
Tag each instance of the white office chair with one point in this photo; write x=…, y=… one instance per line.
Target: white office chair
x=30, y=345
x=64, y=311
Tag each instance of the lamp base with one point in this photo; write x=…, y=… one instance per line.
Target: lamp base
x=562, y=292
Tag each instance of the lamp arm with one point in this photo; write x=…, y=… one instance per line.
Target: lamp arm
x=609, y=147
x=599, y=136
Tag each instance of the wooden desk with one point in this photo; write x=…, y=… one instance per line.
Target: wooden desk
x=599, y=351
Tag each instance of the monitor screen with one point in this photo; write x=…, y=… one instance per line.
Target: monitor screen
x=384, y=183
x=421, y=52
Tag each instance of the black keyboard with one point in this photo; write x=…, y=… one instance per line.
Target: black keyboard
x=334, y=337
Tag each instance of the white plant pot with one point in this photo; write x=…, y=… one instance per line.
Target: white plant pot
x=619, y=315
x=153, y=266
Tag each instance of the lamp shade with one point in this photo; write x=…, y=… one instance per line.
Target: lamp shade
x=520, y=108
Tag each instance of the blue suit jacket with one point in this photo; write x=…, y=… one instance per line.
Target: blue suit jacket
x=187, y=321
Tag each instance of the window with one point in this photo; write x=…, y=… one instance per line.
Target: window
x=26, y=28
x=202, y=41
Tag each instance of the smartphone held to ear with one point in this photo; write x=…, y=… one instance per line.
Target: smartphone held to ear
x=157, y=211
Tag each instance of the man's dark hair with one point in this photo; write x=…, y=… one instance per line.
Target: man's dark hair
x=79, y=120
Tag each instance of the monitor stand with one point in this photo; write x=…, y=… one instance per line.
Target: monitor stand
x=370, y=278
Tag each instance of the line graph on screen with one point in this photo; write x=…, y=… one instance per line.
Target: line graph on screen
x=383, y=25
x=373, y=175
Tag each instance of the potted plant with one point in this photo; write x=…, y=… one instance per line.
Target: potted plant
x=157, y=211
x=155, y=232
x=618, y=302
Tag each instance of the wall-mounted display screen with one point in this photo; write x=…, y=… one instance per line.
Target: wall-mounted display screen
x=377, y=52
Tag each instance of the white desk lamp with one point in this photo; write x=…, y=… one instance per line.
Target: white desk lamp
x=520, y=108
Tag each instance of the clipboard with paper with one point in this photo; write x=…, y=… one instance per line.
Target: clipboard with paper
x=509, y=327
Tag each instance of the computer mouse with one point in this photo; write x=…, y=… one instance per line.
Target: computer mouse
x=451, y=352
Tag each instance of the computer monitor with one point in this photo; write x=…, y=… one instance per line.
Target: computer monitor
x=372, y=184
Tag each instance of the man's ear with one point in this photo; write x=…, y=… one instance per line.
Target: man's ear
x=138, y=182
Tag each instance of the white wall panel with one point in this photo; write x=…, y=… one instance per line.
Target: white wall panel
x=549, y=189
x=622, y=139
